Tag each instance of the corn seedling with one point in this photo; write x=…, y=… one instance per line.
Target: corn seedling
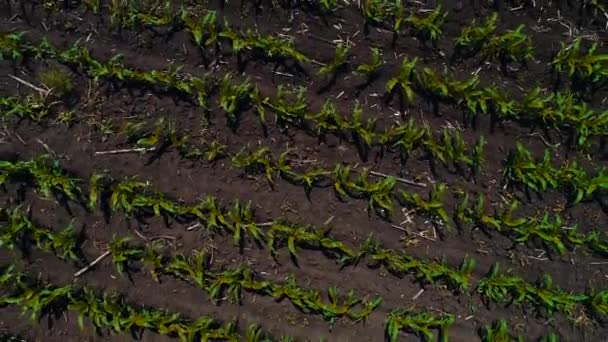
x=504, y=288
x=204, y=30
x=273, y=47
x=362, y=131
x=106, y=311
x=428, y=28
x=582, y=67
x=233, y=99
x=521, y=168
x=405, y=138
x=18, y=232
x=512, y=46
x=257, y=161
x=337, y=64
x=404, y=81
x=474, y=37
x=290, y=106
x=433, y=207
x=31, y=108
x=45, y=173
x=376, y=11
x=370, y=71
x=418, y=323
x=327, y=119
x=498, y=332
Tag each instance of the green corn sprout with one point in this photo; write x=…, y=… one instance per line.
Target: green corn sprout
x=434, y=206
x=504, y=288
x=428, y=28
x=474, y=37
x=498, y=332
x=254, y=162
x=122, y=253
x=45, y=173
x=327, y=119
x=418, y=323
x=30, y=107
x=404, y=81
x=290, y=106
x=328, y=6
x=338, y=63
x=233, y=98
x=521, y=168
x=362, y=131
x=106, y=311
x=582, y=68
x=369, y=71
x=406, y=138
x=512, y=46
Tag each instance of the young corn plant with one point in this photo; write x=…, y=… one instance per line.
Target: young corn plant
x=405, y=138
x=275, y=48
x=498, y=332
x=131, y=196
x=337, y=65
x=522, y=169
x=327, y=120
x=378, y=194
x=104, y=312
x=433, y=207
x=433, y=87
x=362, y=131
x=474, y=37
x=159, y=138
x=30, y=108
x=512, y=46
x=429, y=27
x=403, y=83
x=290, y=106
x=505, y=288
x=370, y=71
x=585, y=69
x=203, y=30
x=45, y=174
x=254, y=162
x=420, y=324
x=452, y=149
x=377, y=11
x=19, y=232
x=233, y=99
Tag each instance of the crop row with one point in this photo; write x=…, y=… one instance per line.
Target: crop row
x=470, y=211
x=112, y=311
x=294, y=110
x=137, y=198
x=19, y=231
x=558, y=110
x=499, y=332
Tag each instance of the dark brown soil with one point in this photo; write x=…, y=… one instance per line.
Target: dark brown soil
x=188, y=181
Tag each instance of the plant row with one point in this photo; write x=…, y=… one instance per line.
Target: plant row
x=557, y=110
x=499, y=332
x=136, y=198
x=470, y=211
x=195, y=269
x=522, y=169
x=112, y=312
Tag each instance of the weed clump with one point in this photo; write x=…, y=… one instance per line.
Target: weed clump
x=58, y=80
